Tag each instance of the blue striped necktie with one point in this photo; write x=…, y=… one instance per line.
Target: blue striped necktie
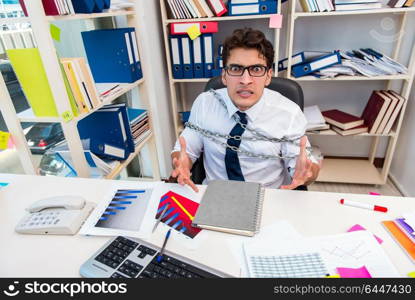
x=233, y=167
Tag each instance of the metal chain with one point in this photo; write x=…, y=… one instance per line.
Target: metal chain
x=213, y=136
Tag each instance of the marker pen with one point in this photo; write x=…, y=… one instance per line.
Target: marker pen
x=364, y=205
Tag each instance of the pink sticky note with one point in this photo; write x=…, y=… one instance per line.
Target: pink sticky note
x=358, y=227
x=275, y=21
x=361, y=272
x=374, y=194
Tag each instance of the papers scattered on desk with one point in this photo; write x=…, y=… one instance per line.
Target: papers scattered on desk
x=347, y=250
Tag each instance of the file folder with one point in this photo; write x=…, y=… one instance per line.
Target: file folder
x=83, y=6
x=197, y=58
x=176, y=57
x=204, y=27
x=208, y=54
x=264, y=7
x=110, y=55
x=107, y=4
x=122, y=108
x=138, y=70
x=107, y=150
x=105, y=127
x=300, y=58
x=187, y=57
x=99, y=6
x=317, y=64
x=218, y=7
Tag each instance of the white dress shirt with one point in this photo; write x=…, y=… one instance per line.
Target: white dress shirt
x=273, y=115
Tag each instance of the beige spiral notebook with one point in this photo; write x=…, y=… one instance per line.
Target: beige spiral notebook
x=231, y=206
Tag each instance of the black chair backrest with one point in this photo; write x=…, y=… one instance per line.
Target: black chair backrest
x=286, y=87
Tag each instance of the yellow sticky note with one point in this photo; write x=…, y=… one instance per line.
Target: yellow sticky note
x=67, y=116
x=55, y=31
x=193, y=31
x=412, y=274
x=333, y=276
x=4, y=139
x=275, y=21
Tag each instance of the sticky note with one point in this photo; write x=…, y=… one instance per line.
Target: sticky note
x=67, y=116
x=358, y=227
x=275, y=21
x=412, y=274
x=361, y=272
x=374, y=194
x=55, y=31
x=333, y=276
x=193, y=31
x=4, y=139
x=3, y=184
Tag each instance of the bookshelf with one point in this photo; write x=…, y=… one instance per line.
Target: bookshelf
x=40, y=25
x=178, y=86
x=359, y=170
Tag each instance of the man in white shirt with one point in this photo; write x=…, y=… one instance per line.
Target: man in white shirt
x=246, y=131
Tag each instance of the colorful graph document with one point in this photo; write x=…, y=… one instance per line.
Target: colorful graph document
x=126, y=210
x=179, y=214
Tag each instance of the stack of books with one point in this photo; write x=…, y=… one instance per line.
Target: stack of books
x=70, y=7
x=344, y=123
x=139, y=124
x=402, y=231
x=81, y=83
x=401, y=3
x=343, y=5
x=316, y=5
x=191, y=9
x=378, y=117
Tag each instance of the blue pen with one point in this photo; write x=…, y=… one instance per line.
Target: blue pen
x=160, y=256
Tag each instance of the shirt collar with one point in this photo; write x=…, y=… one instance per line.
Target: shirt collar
x=252, y=113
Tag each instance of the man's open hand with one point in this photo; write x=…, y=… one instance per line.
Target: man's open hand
x=182, y=165
x=303, y=168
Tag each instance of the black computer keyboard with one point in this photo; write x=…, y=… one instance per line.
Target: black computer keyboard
x=131, y=258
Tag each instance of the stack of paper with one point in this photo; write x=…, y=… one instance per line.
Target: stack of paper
x=315, y=120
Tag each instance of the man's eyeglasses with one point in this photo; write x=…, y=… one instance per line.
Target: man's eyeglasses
x=254, y=70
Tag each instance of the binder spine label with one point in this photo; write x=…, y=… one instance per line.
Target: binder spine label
x=324, y=62
x=114, y=151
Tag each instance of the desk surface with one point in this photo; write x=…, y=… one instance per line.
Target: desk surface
x=311, y=214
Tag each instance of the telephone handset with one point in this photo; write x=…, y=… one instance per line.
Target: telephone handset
x=55, y=215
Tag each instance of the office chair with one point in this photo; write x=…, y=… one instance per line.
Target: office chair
x=286, y=87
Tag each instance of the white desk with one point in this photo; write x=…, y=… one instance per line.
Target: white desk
x=311, y=213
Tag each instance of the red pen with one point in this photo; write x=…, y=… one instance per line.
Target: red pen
x=364, y=205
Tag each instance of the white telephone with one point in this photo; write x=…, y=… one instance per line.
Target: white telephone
x=55, y=215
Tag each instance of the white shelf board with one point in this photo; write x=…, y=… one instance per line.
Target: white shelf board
x=350, y=78
x=191, y=80
x=125, y=163
x=333, y=133
x=349, y=171
x=114, y=13
x=125, y=88
x=226, y=18
x=384, y=10
x=28, y=116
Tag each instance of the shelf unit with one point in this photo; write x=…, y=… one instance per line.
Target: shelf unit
x=177, y=86
x=358, y=170
x=40, y=25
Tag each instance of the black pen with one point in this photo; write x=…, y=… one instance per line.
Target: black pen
x=160, y=256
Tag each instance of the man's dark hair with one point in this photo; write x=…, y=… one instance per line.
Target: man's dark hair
x=248, y=38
